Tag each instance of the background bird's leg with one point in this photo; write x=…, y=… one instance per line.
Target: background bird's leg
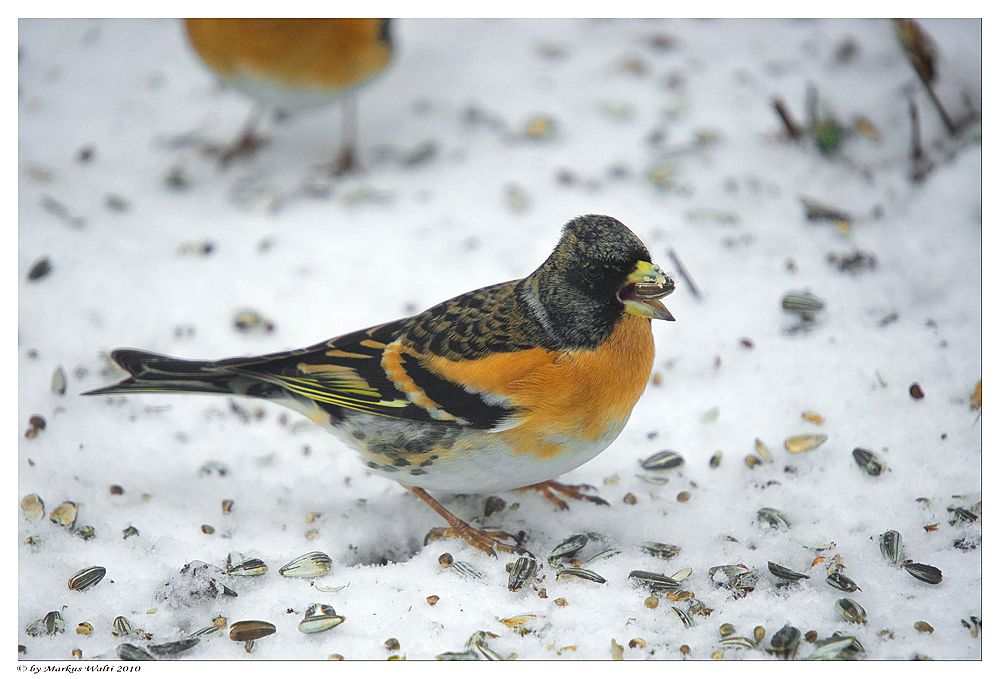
x=248, y=141
x=546, y=488
x=487, y=541
x=346, y=160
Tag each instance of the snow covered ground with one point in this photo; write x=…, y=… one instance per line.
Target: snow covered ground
x=667, y=125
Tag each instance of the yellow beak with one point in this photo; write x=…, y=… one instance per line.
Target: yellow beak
x=644, y=286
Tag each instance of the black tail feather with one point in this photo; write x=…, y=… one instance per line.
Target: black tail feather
x=158, y=373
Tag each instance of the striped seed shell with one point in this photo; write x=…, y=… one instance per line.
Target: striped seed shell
x=804, y=442
x=773, y=517
x=236, y=564
x=466, y=569
x=737, y=642
x=681, y=616
x=568, y=547
x=522, y=572
x=581, y=573
x=785, y=642
x=665, y=459
x=84, y=579
x=851, y=611
x=660, y=549
x=212, y=631
x=838, y=648
x=311, y=565
x=33, y=508
x=923, y=572
x=174, y=647
x=121, y=626
x=319, y=618
x=802, y=302
x=248, y=630
x=890, y=543
x=841, y=582
x=655, y=581
x=785, y=573
x=52, y=623
x=130, y=652
x=868, y=461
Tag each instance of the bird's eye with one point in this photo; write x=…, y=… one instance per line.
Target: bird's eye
x=594, y=271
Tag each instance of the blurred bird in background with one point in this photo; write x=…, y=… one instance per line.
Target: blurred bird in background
x=293, y=63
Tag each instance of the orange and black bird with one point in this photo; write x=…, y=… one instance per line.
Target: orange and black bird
x=501, y=388
x=293, y=63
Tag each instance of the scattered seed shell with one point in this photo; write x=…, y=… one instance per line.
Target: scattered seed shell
x=841, y=582
x=815, y=418
x=773, y=517
x=130, y=652
x=311, y=565
x=64, y=514
x=660, y=549
x=319, y=618
x=802, y=302
x=84, y=579
x=923, y=572
x=868, y=461
x=715, y=460
x=890, y=543
x=248, y=630
x=657, y=582
x=737, y=642
x=85, y=628
x=581, y=573
x=665, y=459
x=785, y=573
x=174, y=647
x=752, y=461
x=466, y=569
x=785, y=642
x=804, y=442
x=851, y=611
x=236, y=564
x=568, y=547
x=681, y=616
x=33, y=508
x=59, y=380
x=762, y=450
x=52, y=623
x=522, y=572
x=922, y=626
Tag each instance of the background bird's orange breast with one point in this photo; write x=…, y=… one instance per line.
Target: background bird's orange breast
x=313, y=53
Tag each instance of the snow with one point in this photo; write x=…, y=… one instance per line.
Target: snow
x=690, y=99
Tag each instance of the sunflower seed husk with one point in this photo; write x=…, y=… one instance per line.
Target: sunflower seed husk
x=660, y=549
x=86, y=532
x=785, y=573
x=568, y=547
x=739, y=578
x=762, y=450
x=682, y=574
x=890, y=543
x=837, y=649
x=737, y=642
x=665, y=459
x=804, y=442
x=64, y=514
x=522, y=624
x=52, y=623
x=457, y=655
x=250, y=645
x=841, y=582
x=208, y=632
x=681, y=616
x=773, y=517
x=962, y=514
x=655, y=480
x=236, y=564
x=785, y=642
x=248, y=630
x=59, y=380
x=868, y=461
x=715, y=460
x=85, y=628
x=802, y=303
x=130, y=652
x=84, y=579
x=319, y=618
x=174, y=647
x=606, y=554
x=466, y=569
x=33, y=508
x=129, y=532
x=657, y=582
x=121, y=626
x=851, y=611
x=522, y=572
x=311, y=565
x=581, y=573
x=923, y=572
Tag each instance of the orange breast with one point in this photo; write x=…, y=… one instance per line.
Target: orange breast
x=326, y=54
x=582, y=395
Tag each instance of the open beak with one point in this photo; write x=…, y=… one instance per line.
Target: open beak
x=642, y=292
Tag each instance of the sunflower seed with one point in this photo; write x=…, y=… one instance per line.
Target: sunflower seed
x=868, y=461
x=64, y=514
x=851, y=611
x=838, y=648
x=785, y=573
x=657, y=582
x=319, y=618
x=890, y=543
x=83, y=580
x=660, y=549
x=311, y=565
x=522, y=572
x=33, y=508
x=581, y=573
x=841, y=582
x=52, y=623
x=665, y=459
x=174, y=647
x=681, y=616
x=737, y=642
x=567, y=548
x=248, y=630
x=457, y=655
x=802, y=303
x=236, y=564
x=773, y=517
x=121, y=626
x=130, y=652
x=923, y=572
x=739, y=578
x=785, y=642
x=804, y=442
x=466, y=569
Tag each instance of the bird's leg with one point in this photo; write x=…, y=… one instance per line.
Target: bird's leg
x=346, y=161
x=550, y=488
x=248, y=141
x=487, y=541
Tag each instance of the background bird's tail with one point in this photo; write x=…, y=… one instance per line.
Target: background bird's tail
x=157, y=373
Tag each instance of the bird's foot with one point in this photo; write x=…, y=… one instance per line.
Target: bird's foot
x=550, y=488
x=487, y=541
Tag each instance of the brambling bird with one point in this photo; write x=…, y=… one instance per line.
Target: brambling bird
x=501, y=388
x=293, y=63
